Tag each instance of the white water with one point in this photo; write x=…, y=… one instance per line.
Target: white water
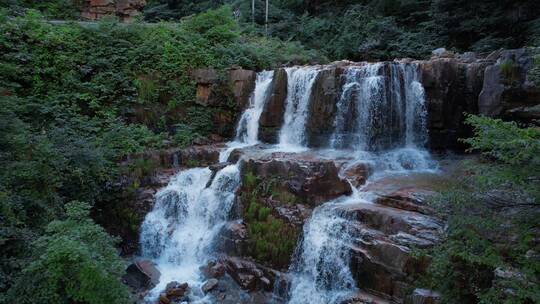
x=248, y=126
x=380, y=108
x=374, y=112
x=179, y=232
x=299, y=84
x=188, y=215
x=321, y=272
x=247, y=130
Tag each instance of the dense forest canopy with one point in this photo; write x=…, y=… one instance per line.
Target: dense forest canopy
x=365, y=29
x=76, y=101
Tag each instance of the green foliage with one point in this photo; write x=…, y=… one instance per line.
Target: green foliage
x=54, y=9
x=75, y=261
x=272, y=240
x=509, y=70
x=77, y=100
x=505, y=141
x=366, y=29
x=492, y=220
x=534, y=71
x=184, y=135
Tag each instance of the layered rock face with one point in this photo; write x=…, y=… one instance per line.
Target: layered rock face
x=125, y=10
x=493, y=84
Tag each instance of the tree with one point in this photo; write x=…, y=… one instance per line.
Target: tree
x=74, y=262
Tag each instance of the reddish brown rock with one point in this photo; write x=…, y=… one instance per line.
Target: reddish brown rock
x=249, y=275
x=357, y=173
x=322, y=107
x=142, y=275
x=272, y=116
x=242, y=83
x=409, y=198
x=300, y=178
x=506, y=85
x=125, y=10
x=233, y=239
x=382, y=262
x=175, y=290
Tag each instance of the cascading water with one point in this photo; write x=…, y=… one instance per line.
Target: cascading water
x=179, y=232
x=299, y=84
x=381, y=107
x=320, y=267
x=248, y=126
x=247, y=130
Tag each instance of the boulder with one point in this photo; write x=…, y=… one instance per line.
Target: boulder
x=357, y=173
x=233, y=239
x=209, y=285
x=141, y=275
x=213, y=270
x=175, y=290
x=425, y=296
x=301, y=178
x=249, y=275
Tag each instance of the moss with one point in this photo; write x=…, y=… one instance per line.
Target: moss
x=509, y=70
x=191, y=163
x=272, y=241
x=250, y=180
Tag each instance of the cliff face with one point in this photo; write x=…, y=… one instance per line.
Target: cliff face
x=495, y=85
x=125, y=10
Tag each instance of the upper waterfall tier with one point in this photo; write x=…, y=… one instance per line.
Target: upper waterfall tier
x=450, y=88
x=248, y=127
x=299, y=85
x=380, y=108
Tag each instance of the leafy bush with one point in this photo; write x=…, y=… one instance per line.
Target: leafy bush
x=492, y=220
x=75, y=261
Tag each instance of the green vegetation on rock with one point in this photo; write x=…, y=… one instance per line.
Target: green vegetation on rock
x=490, y=254
x=272, y=240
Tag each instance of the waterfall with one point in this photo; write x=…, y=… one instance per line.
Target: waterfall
x=299, y=84
x=179, y=232
x=380, y=107
x=381, y=115
x=248, y=125
x=320, y=269
x=247, y=130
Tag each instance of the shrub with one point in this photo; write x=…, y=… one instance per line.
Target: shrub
x=492, y=219
x=75, y=261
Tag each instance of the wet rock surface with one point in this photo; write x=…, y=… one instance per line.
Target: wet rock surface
x=382, y=262
x=141, y=275
x=272, y=115
x=300, y=178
